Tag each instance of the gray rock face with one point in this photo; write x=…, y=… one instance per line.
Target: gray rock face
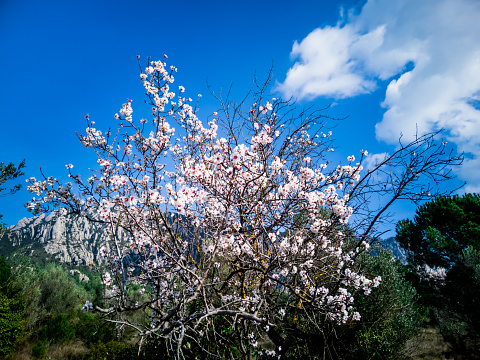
x=397, y=251
x=72, y=239
x=82, y=277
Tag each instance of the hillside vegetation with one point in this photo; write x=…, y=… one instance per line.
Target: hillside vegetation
x=41, y=317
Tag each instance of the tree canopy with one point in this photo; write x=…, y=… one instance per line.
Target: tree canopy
x=443, y=242
x=441, y=230
x=9, y=172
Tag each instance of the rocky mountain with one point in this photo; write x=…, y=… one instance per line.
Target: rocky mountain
x=72, y=239
x=392, y=245
x=76, y=240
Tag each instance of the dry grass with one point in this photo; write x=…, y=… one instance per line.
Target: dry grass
x=24, y=353
x=74, y=350
x=430, y=345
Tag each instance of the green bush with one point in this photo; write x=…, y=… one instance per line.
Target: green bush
x=11, y=322
x=46, y=290
x=58, y=329
x=92, y=329
x=39, y=350
x=113, y=350
x=445, y=235
x=59, y=291
x=94, y=287
x=12, y=310
x=390, y=314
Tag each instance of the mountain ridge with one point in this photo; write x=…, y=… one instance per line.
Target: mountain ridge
x=76, y=240
x=71, y=239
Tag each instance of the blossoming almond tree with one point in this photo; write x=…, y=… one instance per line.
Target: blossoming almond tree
x=237, y=224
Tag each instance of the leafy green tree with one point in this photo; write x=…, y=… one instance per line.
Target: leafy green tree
x=26, y=275
x=39, y=350
x=113, y=350
x=11, y=322
x=9, y=172
x=12, y=310
x=58, y=329
x=443, y=242
x=5, y=274
x=441, y=230
x=46, y=290
x=92, y=329
x=461, y=293
x=60, y=292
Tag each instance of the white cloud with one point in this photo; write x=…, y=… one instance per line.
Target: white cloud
x=326, y=65
x=470, y=171
x=432, y=47
x=373, y=160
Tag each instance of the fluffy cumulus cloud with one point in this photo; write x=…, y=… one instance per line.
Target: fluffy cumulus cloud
x=428, y=51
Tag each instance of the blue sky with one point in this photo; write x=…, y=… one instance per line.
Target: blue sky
x=388, y=65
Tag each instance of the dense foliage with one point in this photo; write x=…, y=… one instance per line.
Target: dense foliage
x=12, y=310
x=389, y=318
x=391, y=314
x=441, y=230
x=443, y=242
x=58, y=328
x=47, y=291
